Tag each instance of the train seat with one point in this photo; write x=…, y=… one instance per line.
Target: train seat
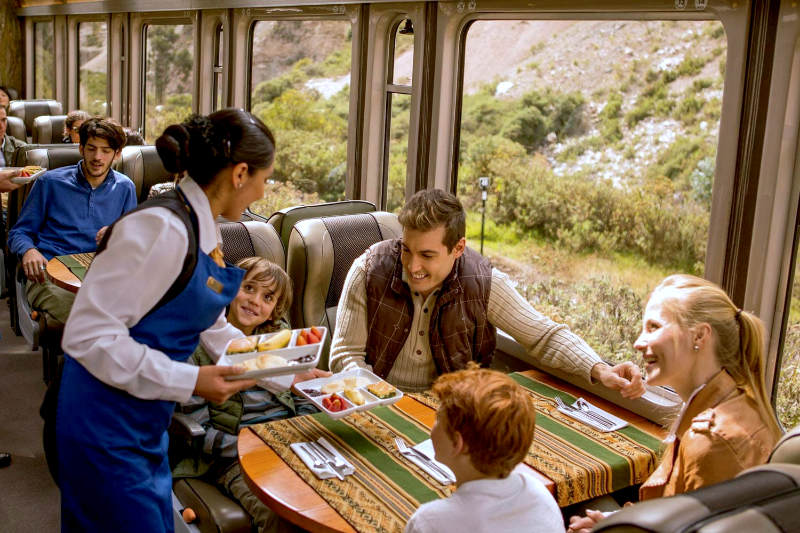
x=143, y=166
x=285, y=219
x=28, y=110
x=43, y=331
x=761, y=495
x=788, y=448
x=16, y=128
x=48, y=129
x=320, y=253
x=251, y=238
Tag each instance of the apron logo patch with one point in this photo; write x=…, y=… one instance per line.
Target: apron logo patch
x=214, y=285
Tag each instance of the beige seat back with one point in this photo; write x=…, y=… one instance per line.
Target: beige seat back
x=251, y=238
x=144, y=167
x=16, y=128
x=28, y=110
x=788, y=448
x=321, y=251
x=48, y=129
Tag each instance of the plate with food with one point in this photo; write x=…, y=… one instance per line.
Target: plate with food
x=347, y=392
x=287, y=351
x=28, y=174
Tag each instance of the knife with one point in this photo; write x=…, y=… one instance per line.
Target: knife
x=328, y=457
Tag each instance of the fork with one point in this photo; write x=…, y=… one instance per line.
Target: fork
x=589, y=414
x=584, y=406
x=405, y=449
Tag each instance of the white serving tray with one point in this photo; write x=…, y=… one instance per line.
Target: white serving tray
x=365, y=378
x=311, y=353
x=28, y=179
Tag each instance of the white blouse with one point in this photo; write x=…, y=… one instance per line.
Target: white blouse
x=149, y=248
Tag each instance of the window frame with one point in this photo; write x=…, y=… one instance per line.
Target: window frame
x=73, y=59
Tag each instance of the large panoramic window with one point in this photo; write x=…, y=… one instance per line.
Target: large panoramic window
x=43, y=65
x=300, y=87
x=788, y=393
x=169, y=57
x=92, y=67
x=599, y=142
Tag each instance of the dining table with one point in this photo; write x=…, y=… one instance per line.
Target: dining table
x=68, y=271
x=573, y=460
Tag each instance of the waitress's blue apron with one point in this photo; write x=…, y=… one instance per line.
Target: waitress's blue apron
x=114, y=474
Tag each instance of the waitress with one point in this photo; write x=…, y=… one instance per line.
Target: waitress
x=125, y=348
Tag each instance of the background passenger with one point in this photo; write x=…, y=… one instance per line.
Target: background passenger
x=133, y=138
x=72, y=126
x=695, y=340
x=66, y=209
x=259, y=307
x=424, y=305
x=5, y=97
x=8, y=143
x=483, y=430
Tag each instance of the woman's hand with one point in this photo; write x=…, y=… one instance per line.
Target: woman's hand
x=212, y=386
x=584, y=524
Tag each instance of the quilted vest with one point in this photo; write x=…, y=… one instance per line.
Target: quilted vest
x=459, y=330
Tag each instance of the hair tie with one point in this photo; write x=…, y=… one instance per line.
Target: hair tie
x=738, y=314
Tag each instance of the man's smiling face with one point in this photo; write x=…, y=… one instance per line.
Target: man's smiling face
x=426, y=260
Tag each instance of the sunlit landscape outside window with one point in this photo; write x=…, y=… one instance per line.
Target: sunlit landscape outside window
x=789, y=380
x=600, y=140
x=93, y=67
x=43, y=66
x=169, y=56
x=300, y=88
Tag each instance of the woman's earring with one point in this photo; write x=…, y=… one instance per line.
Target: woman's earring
x=696, y=347
x=239, y=186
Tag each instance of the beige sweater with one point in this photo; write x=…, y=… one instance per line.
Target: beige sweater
x=414, y=370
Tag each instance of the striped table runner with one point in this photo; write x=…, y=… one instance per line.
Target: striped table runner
x=386, y=489
x=582, y=461
x=78, y=264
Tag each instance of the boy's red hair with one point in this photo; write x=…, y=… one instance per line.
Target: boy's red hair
x=493, y=414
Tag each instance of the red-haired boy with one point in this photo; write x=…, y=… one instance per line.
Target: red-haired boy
x=484, y=427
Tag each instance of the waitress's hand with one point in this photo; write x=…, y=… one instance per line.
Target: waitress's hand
x=212, y=386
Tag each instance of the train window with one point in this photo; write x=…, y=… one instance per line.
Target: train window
x=398, y=115
x=217, y=81
x=300, y=87
x=787, y=401
x=92, y=67
x=43, y=65
x=599, y=142
x=169, y=58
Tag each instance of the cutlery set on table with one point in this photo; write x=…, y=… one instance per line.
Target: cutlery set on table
x=590, y=415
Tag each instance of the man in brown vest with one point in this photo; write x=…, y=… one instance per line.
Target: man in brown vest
x=421, y=306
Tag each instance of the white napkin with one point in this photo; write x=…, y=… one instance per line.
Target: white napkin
x=426, y=447
x=326, y=471
x=577, y=414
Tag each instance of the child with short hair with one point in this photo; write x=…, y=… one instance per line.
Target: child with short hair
x=484, y=427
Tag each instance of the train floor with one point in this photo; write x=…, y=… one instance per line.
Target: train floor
x=29, y=499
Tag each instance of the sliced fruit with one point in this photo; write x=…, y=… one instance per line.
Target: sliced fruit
x=354, y=396
x=316, y=332
x=300, y=341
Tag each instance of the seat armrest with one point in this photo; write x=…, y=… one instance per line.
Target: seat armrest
x=215, y=512
x=185, y=426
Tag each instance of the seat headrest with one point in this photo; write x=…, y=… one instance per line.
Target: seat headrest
x=48, y=129
x=285, y=219
x=251, y=238
x=16, y=128
x=788, y=448
x=143, y=166
x=28, y=110
x=50, y=158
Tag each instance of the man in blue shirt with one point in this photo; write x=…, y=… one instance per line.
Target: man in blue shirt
x=67, y=209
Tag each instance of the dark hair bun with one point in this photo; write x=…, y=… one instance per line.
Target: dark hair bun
x=173, y=148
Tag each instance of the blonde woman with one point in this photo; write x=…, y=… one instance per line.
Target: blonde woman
x=695, y=340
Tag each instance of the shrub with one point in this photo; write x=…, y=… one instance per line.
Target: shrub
x=278, y=195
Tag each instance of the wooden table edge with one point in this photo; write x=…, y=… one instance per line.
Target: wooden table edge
x=62, y=276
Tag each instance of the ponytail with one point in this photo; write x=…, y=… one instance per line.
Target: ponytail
x=751, y=355
x=204, y=145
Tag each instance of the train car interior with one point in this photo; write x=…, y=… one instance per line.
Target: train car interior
x=596, y=147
